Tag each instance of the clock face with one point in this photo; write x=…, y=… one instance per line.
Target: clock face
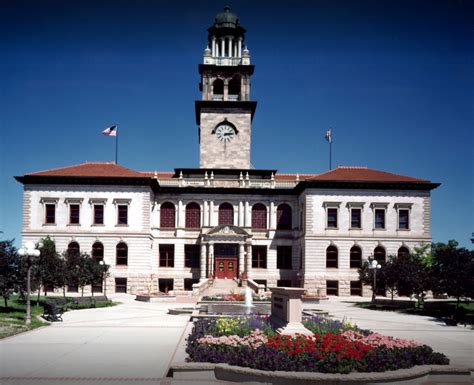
x=225, y=133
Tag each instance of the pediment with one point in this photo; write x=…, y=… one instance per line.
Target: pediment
x=228, y=230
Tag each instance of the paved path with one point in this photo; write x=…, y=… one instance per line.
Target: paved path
x=457, y=342
x=126, y=344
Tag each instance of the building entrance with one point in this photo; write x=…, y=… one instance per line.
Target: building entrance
x=226, y=262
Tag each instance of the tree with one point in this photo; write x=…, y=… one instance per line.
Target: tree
x=9, y=269
x=453, y=270
x=389, y=276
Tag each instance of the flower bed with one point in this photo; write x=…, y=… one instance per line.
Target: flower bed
x=336, y=347
x=234, y=297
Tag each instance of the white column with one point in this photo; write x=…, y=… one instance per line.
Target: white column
x=211, y=213
x=222, y=47
x=230, y=46
x=248, y=222
x=249, y=262
x=206, y=214
x=241, y=214
x=203, y=261
x=213, y=46
x=241, y=259
x=272, y=216
x=180, y=214
x=211, y=260
x=240, y=47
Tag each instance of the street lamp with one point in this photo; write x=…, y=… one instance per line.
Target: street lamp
x=374, y=265
x=104, y=283
x=29, y=251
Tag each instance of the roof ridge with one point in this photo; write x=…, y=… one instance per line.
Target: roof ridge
x=352, y=168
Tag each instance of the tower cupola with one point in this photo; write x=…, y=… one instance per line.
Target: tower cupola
x=226, y=40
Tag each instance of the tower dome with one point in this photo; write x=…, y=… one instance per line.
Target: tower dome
x=226, y=19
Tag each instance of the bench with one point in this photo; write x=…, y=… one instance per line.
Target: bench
x=91, y=301
x=53, y=309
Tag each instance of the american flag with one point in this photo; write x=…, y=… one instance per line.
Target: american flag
x=110, y=131
x=328, y=136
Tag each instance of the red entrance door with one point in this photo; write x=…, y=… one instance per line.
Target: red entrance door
x=226, y=267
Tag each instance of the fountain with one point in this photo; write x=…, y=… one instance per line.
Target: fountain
x=248, y=300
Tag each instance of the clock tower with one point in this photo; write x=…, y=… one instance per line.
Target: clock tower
x=225, y=112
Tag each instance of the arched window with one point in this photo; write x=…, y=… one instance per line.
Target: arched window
x=379, y=254
x=98, y=251
x=403, y=252
x=226, y=214
x=331, y=256
x=284, y=217
x=73, y=248
x=234, y=86
x=167, y=215
x=259, y=216
x=121, y=254
x=193, y=216
x=355, y=257
x=218, y=87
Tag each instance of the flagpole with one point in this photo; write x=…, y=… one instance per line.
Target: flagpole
x=116, y=146
x=330, y=154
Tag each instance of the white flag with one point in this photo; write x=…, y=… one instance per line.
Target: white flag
x=110, y=131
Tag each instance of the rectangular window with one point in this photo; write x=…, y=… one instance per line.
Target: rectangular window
x=120, y=285
x=122, y=214
x=189, y=282
x=259, y=257
x=166, y=255
x=50, y=215
x=332, y=218
x=356, y=218
x=403, y=219
x=356, y=288
x=165, y=284
x=98, y=214
x=72, y=288
x=332, y=287
x=191, y=255
x=380, y=218
x=73, y=214
x=283, y=257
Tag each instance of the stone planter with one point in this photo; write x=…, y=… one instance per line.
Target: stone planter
x=155, y=298
x=413, y=376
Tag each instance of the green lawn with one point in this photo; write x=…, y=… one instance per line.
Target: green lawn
x=437, y=309
x=12, y=318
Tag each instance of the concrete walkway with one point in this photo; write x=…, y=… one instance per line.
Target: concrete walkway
x=127, y=344
x=456, y=342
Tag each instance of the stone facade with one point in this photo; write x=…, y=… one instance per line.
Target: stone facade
x=214, y=153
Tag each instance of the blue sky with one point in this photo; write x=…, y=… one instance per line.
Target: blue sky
x=394, y=80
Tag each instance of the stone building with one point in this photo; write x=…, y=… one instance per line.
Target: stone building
x=225, y=220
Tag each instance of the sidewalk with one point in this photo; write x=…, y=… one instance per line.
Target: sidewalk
x=125, y=344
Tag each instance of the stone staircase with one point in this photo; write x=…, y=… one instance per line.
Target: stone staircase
x=222, y=287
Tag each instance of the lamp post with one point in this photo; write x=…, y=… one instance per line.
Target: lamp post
x=29, y=251
x=104, y=283
x=374, y=265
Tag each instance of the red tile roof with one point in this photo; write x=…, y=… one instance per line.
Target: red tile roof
x=362, y=174
x=91, y=169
